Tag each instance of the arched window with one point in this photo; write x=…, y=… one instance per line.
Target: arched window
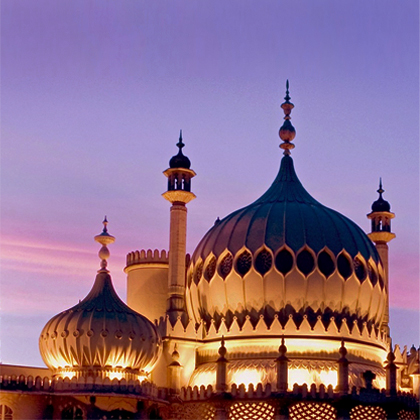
x=284, y=261
x=305, y=262
x=243, y=263
x=6, y=412
x=210, y=269
x=326, y=264
x=225, y=266
x=263, y=262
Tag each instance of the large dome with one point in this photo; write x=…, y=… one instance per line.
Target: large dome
x=286, y=255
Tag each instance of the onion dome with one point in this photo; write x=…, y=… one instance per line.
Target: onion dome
x=101, y=336
x=285, y=255
x=179, y=160
x=380, y=204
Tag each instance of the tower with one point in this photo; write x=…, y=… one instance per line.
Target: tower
x=178, y=194
x=381, y=234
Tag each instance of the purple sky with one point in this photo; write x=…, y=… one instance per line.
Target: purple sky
x=93, y=94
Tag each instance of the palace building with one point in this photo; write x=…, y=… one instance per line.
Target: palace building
x=281, y=312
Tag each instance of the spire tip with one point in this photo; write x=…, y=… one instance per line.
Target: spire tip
x=287, y=132
x=104, y=239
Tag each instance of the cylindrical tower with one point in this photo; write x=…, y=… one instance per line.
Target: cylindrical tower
x=179, y=194
x=381, y=234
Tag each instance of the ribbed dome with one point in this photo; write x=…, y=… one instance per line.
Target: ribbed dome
x=100, y=333
x=285, y=254
x=101, y=336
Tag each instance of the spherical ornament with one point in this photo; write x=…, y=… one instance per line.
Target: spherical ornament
x=287, y=132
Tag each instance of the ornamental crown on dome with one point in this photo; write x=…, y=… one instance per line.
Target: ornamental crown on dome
x=180, y=160
x=380, y=204
x=285, y=255
x=101, y=335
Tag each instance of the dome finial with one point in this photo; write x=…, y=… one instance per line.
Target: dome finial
x=381, y=190
x=180, y=160
x=180, y=144
x=287, y=132
x=104, y=239
x=380, y=204
x=287, y=97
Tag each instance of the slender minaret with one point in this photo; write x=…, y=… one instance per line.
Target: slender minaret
x=381, y=234
x=179, y=194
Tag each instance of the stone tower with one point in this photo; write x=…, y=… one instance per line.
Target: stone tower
x=178, y=194
x=381, y=234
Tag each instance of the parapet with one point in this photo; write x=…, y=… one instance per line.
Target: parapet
x=151, y=257
x=147, y=257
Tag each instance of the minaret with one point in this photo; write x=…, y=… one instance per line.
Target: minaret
x=179, y=194
x=381, y=234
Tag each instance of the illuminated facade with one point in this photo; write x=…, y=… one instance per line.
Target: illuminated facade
x=281, y=312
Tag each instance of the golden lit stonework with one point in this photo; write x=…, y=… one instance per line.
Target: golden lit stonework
x=281, y=312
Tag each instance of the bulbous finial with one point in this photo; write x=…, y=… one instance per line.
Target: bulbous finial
x=287, y=132
x=179, y=160
x=175, y=354
x=282, y=348
x=180, y=144
x=380, y=204
x=222, y=349
x=342, y=350
x=104, y=239
x=391, y=356
x=381, y=190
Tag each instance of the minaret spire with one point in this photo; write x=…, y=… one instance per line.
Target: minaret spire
x=381, y=234
x=180, y=144
x=178, y=194
x=287, y=132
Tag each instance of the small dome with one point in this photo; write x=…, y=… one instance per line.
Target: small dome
x=101, y=333
x=179, y=160
x=380, y=204
x=100, y=336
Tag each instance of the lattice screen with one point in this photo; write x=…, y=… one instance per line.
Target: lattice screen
x=406, y=415
x=251, y=411
x=192, y=411
x=368, y=412
x=312, y=411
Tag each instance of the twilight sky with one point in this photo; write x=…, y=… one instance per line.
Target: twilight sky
x=93, y=94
